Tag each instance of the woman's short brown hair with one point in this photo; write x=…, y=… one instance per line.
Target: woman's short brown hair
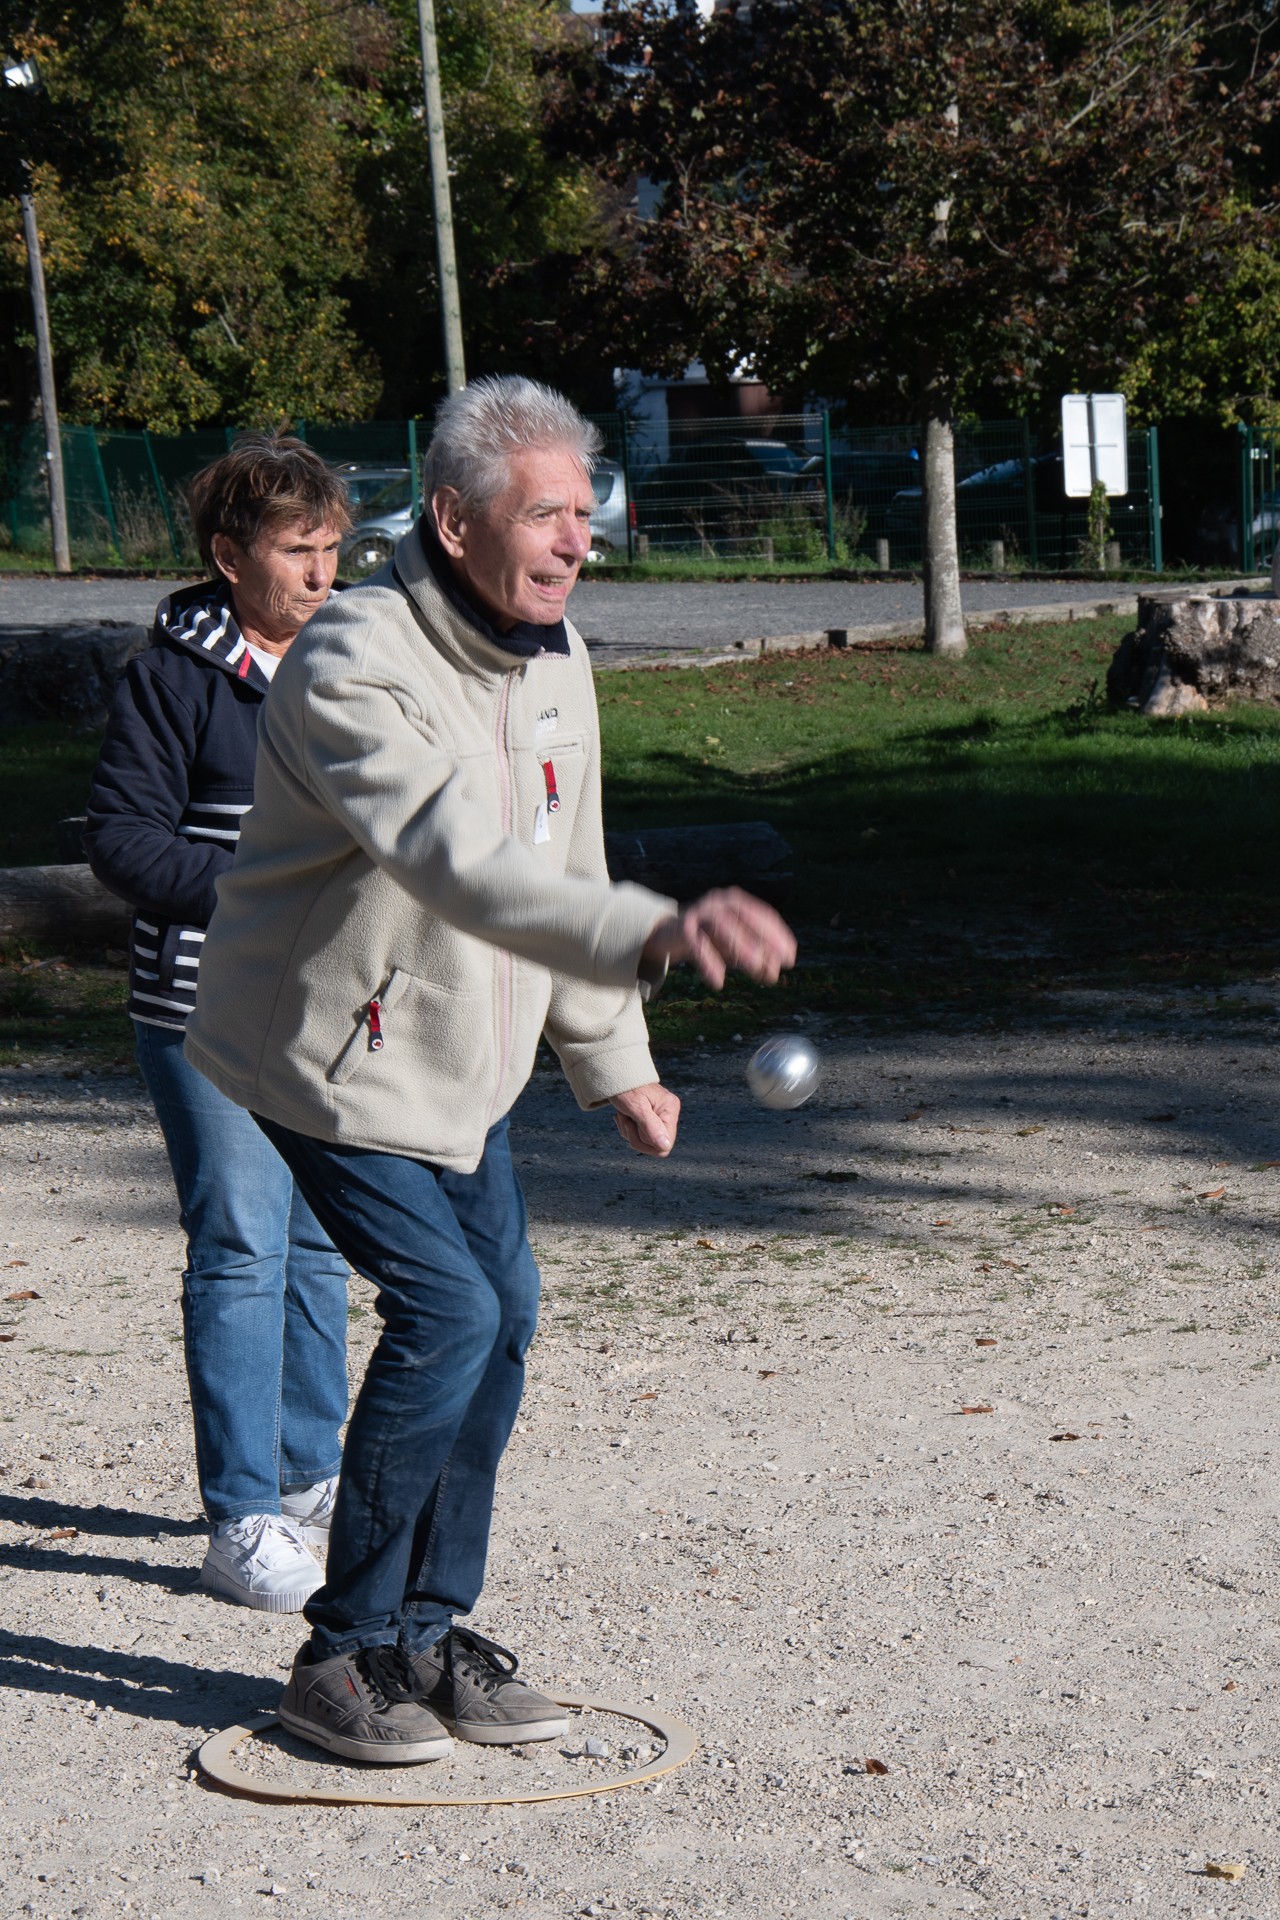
x=266, y=480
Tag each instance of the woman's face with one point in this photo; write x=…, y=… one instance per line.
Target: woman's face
x=278, y=582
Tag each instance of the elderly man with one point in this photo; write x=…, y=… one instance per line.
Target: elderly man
x=420, y=893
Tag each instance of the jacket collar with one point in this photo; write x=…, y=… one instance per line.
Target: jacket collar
x=200, y=619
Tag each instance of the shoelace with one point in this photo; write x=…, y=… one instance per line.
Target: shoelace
x=387, y=1674
x=484, y=1662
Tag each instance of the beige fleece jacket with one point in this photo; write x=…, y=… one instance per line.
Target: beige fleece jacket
x=407, y=912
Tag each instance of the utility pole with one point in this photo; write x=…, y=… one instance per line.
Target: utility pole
x=441, y=202
x=25, y=74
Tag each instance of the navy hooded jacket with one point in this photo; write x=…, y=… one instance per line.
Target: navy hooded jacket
x=173, y=782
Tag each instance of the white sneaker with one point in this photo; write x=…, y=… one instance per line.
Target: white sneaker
x=260, y=1561
x=310, y=1509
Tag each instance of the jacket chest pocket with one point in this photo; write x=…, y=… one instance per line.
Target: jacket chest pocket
x=554, y=786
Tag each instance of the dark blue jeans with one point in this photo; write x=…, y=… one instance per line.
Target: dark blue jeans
x=458, y=1298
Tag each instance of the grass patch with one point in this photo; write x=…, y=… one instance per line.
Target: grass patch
x=967, y=833
x=45, y=770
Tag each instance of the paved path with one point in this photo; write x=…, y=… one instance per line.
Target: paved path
x=626, y=620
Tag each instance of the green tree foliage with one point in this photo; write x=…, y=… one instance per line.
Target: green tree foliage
x=235, y=205
x=884, y=198
x=521, y=216
x=196, y=268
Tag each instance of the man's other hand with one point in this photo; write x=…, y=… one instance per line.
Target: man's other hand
x=727, y=928
x=647, y=1119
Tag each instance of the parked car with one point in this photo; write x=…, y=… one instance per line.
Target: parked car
x=722, y=488
x=866, y=479
x=388, y=516
x=363, y=481
x=993, y=504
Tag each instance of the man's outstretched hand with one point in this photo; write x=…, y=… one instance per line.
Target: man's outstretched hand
x=727, y=928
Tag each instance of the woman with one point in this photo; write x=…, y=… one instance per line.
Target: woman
x=264, y=1295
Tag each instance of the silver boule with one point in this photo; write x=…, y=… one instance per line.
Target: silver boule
x=784, y=1071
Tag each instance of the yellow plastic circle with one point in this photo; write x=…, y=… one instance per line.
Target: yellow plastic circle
x=216, y=1760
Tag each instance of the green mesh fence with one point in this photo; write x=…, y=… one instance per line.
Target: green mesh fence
x=780, y=489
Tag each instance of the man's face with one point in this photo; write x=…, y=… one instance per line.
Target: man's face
x=280, y=581
x=520, y=557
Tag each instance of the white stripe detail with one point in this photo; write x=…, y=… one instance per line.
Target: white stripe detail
x=212, y=806
x=158, y=1000
x=146, y=953
x=170, y=1026
x=145, y=926
x=211, y=833
x=186, y=960
x=145, y=973
x=188, y=934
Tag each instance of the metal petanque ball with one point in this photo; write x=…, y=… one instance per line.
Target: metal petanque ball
x=784, y=1071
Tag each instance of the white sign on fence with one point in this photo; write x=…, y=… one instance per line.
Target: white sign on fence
x=1093, y=443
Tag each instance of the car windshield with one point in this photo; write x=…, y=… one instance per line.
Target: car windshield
x=365, y=487
x=392, y=498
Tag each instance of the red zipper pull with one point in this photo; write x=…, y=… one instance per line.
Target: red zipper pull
x=553, y=798
x=375, y=1026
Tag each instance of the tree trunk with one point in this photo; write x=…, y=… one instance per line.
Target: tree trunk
x=943, y=619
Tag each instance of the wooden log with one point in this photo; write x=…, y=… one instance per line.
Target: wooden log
x=687, y=861
x=60, y=904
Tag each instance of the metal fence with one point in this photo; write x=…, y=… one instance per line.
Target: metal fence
x=777, y=490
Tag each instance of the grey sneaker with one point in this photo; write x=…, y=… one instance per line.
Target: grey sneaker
x=261, y=1562
x=311, y=1511
x=363, y=1705
x=469, y=1682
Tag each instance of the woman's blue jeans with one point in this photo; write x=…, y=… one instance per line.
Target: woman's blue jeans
x=264, y=1297
x=458, y=1298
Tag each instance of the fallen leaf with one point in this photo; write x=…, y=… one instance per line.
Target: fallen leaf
x=981, y=1409
x=767, y=1373
x=877, y=1766
x=16, y=1263
x=1159, y=1119
x=1220, y=1163
x=1259, y=1165
x=1017, y=1265
x=944, y=1223
x=1230, y=1686
x=1212, y=1193
x=28, y=1293
x=914, y=1114
x=1064, y=1436
x=63, y=1533
x=1022, y=1133
x=8, y=1336
x=644, y=1396
x=1224, y=1869
x=710, y=1244
x=991, y=1496
x=41, y=1486
x=76, y=1238
x=984, y=1340
x=834, y=1174
x=1062, y=1209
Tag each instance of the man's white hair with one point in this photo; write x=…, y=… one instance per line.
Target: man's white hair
x=479, y=428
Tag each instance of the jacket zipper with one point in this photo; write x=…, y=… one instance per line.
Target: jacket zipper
x=504, y=958
x=553, y=797
x=375, y=1026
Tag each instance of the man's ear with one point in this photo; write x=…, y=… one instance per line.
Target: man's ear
x=222, y=549
x=451, y=523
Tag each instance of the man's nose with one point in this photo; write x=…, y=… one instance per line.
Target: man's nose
x=575, y=538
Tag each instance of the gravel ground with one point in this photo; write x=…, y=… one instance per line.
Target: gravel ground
x=619, y=619
x=931, y=1426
